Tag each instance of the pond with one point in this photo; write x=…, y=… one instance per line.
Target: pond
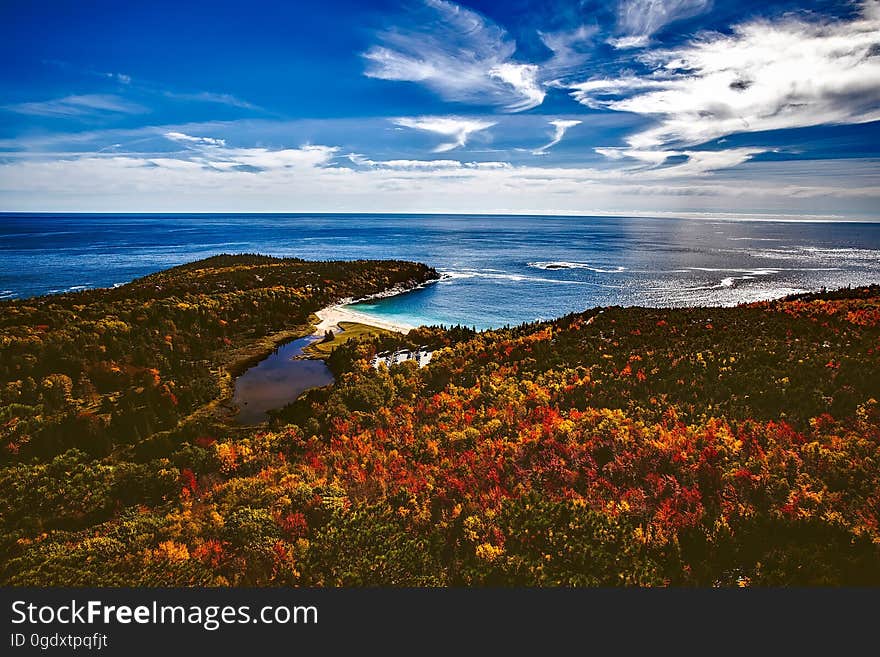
x=277, y=380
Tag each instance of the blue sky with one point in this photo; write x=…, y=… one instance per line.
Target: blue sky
x=703, y=107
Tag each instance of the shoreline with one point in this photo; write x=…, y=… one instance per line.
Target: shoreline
x=331, y=316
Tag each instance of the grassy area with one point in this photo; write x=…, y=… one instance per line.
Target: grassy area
x=350, y=330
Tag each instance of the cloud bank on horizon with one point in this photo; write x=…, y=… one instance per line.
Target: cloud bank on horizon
x=635, y=106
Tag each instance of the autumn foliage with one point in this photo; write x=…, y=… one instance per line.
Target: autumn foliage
x=620, y=446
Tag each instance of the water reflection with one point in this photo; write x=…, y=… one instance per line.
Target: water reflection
x=278, y=380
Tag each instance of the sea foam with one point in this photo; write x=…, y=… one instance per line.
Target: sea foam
x=574, y=265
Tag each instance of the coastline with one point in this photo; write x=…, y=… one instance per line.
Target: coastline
x=331, y=316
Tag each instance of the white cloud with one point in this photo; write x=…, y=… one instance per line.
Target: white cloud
x=637, y=20
x=700, y=162
x=628, y=42
x=308, y=179
x=119, y=77
x=654, y=157
x=212, y=154
x=696, y=163
x=265, y=159
x=560, y=127
x=523, y=78
x=458, y=129
x=360, y=160
x=459, y=54
x=765, y=76
x=202, y=141
x=423, y=165
x=488, y=165
x=84, y=105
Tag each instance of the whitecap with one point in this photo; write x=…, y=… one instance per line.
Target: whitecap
x=449, y=276
x=561, y=264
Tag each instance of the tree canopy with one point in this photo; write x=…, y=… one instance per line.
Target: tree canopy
x=619, y=446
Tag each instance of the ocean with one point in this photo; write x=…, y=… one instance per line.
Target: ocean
x=497, y=270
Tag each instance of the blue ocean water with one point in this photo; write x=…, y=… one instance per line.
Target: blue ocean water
x=498, y=269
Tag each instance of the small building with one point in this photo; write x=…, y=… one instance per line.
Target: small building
x=421, y=356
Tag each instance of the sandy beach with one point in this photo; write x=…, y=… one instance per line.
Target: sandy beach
x=332, y=315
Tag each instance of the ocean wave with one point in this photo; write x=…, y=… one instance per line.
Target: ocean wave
x=573, y=265
x=6, y=294
x=725, y=283
x=449, y=276
x=72, y=288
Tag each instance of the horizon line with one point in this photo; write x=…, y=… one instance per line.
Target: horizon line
x=746, y=217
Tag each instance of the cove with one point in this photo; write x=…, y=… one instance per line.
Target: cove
x=277, y=380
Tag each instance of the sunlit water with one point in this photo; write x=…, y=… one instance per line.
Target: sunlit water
x=498, y=270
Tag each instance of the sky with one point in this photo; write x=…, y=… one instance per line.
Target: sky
x=740, y=109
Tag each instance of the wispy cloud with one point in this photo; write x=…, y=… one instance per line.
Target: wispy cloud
x=459, y=54
x=459, y=129
x=212, y=153
x=699, y=163
x=638, y=20
x=267, y=159
x=189, y=139
x=423, y=165
x=570, y=48
x=523, y=79
x=560, y=127
x=211, y=97
x=653, y=157
x=122, y=78
x=119, y=77
x=148, y=88
x=86, y=105
x=766, y=75
x=313, y=178
x=361, y=160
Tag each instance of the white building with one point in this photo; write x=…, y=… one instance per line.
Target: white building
x=421, y=356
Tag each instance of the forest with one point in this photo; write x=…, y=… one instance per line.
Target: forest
x=614, y=447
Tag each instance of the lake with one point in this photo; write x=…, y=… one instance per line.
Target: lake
x=278, y=380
